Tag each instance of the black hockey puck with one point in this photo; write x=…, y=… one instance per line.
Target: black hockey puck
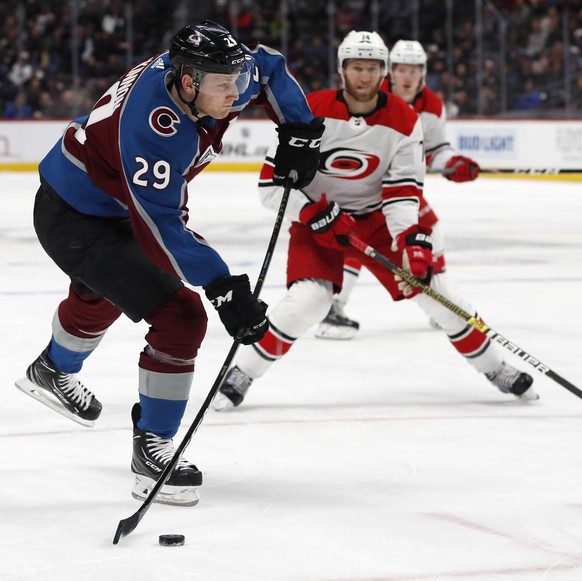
x=172, y=540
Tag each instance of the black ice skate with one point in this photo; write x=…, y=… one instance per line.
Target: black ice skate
x=336, y=325
x=511, y=380
x=62, y=392
x=151, y=454
x=232, y=391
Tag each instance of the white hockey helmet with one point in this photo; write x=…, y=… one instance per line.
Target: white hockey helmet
x=408, y=52
x=362, y=44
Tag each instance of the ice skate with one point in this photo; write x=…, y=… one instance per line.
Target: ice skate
x=62, y=392
x=232, y=391
x=511, y=380
x=151, y=454
x=336, y=325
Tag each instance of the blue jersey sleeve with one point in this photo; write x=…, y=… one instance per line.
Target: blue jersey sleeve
x=278, y=91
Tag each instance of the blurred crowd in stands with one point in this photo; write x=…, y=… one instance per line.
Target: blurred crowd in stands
x=58, y=56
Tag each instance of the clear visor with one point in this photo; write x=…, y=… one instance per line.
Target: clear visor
x=219, y=85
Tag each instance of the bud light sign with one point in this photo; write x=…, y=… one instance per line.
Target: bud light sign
x=483, y=142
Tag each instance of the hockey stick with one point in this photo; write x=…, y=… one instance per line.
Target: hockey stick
x=476, y=323
x=127, y=525
x=519, y=171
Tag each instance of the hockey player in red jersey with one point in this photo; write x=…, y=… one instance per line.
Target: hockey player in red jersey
x=407, y=77
x=112, y=213
x=369, y=183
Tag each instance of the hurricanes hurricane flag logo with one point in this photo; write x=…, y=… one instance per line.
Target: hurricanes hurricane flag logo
x=348, y=164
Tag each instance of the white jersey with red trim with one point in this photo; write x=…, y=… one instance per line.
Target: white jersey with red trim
x=433, y=116
x=368, y=162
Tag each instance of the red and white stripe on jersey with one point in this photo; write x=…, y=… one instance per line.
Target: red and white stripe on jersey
x=266, y=175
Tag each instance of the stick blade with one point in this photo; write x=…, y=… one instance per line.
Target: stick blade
x=126, y=526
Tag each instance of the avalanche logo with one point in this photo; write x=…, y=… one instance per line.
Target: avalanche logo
x=195, y=39
x=348, y=164
x=162, y=121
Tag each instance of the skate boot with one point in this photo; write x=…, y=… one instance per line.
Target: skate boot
x=511, y=380
x=232, y=391
x=62, y=392
x=151, y=454
x=336, y=325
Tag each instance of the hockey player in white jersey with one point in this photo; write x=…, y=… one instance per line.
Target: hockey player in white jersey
x=407, y=77
x=369, y=183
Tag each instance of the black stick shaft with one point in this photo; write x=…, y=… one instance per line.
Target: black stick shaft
x=128, y=525
x=476, y=323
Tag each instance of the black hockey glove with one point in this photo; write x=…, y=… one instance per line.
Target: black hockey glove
x=238, y=308
x=298, y=151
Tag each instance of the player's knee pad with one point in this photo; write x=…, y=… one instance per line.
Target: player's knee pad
x=178, y=327
x=305, y=304
x=447, y=320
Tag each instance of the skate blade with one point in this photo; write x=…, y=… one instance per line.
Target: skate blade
x=44, y=397
x=335, y=332
x=528, y=395
x=172, y=495
x=221, y=403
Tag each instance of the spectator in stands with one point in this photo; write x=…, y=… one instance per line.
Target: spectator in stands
x=531, y=98
x=21, y=71
x=534, y=40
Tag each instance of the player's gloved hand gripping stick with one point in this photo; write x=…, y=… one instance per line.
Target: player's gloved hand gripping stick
x=476, y=323
x=415, y=243
x=238, y=308
x=461, y=169
x=298, y=152
x=127, y=525
x=328, y=222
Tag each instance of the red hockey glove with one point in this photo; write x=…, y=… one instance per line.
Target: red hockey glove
x=238, y=308
x=461, y=169
x=327, y=220
x=298, y=151
x=416, y=246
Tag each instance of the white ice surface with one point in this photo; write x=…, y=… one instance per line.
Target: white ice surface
x=384, y=458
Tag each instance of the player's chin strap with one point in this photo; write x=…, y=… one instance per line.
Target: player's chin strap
x=190, y=104
x=470, y=319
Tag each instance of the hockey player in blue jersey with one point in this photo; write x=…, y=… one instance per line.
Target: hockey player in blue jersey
x=112, y=213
